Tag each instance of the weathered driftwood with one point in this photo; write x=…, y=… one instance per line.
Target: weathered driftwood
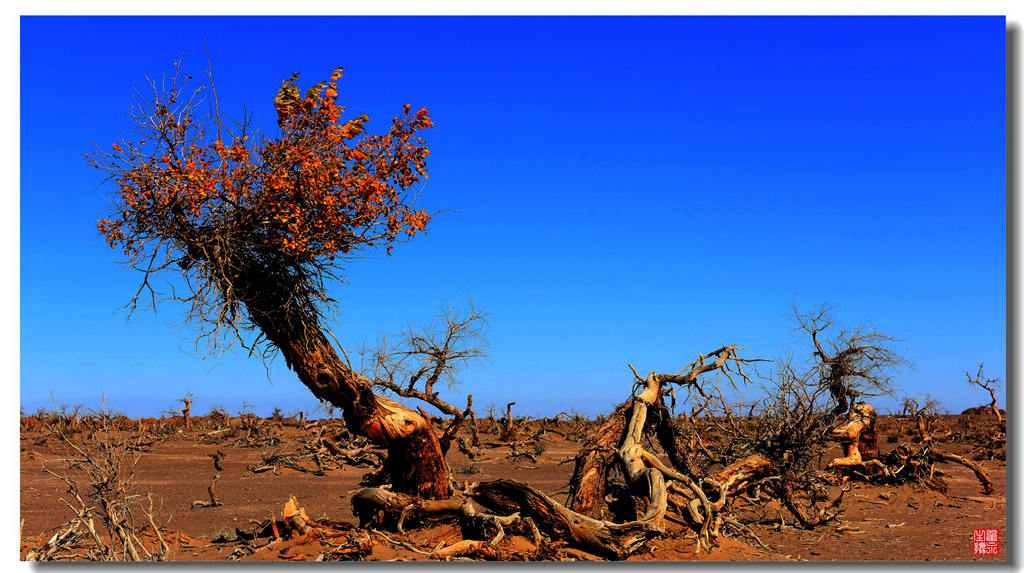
x=986, y=482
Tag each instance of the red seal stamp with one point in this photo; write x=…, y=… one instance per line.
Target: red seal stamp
x=986, y=541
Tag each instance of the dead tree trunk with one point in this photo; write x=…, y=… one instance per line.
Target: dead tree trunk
x=186, y=411
x=472, y=422
x=589, y=484
x=589, y=477
x=507, y=433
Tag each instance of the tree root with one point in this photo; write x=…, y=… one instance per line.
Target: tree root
x=986, y=482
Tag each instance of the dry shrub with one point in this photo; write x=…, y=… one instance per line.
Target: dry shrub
x=107, y=510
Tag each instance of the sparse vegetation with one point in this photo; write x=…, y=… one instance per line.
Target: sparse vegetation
x=758, y=467
x=249, y=230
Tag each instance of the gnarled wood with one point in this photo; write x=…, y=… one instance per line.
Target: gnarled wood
x=986, y=482
x=588, y=482
x=604, y=538
x=415, y=462
x=857, y=435
x=614, y=540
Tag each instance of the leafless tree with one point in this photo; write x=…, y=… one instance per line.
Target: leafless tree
x=411, y=364
x=920, y=404
x=849, y=362
x=988, y=444
x=790, y=425
x=991, y=385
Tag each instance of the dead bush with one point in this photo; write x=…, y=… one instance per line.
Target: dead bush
x=106, y=522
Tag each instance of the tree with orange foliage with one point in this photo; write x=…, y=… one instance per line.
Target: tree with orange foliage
x=251, y=228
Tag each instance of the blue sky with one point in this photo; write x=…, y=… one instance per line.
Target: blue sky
x=619, y=190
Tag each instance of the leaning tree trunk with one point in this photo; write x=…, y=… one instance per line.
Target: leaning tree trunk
x=415, y=463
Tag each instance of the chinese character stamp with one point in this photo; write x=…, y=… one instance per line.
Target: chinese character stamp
x=986, y=541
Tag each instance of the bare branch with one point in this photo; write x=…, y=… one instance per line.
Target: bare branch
x=420, y=358
x=850, y=362
x=990, y=384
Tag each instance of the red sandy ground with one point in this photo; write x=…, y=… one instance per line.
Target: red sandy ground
x=905, y=523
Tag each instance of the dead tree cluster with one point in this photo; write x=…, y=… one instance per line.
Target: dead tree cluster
x=645, y=472
x=109, y=520
x=621, y=493
x=847, y=365
x=572, y=426
x=318, y=453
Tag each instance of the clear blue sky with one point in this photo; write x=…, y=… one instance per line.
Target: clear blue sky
x=621, y=190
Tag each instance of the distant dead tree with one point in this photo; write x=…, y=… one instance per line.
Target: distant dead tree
x=850, y=362
x=988, y=444
x=509, y=426
x=912, y=406
x=991, y=385
x=186, y=410
x=411, y=365
x=218, y=416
